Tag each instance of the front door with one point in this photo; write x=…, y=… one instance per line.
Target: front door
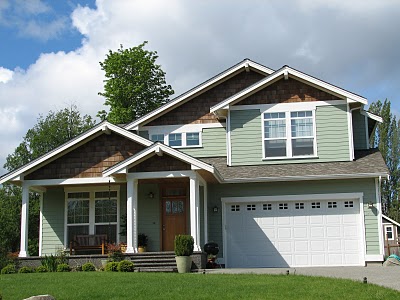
x=173, y=218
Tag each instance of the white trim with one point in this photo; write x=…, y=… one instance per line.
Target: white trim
x=199, y=89
x=40, y=223
x=372, y=116
x=228, y=139
x=205, y=204
x=165, y=129
x=385, y=227
x=24, y=221
x=380, y=215
x=278, y=107
x=362, y=229
x=194, y=211
x=163, y=174
x=390, y=220
x=374, y=257
x=366, y=133
x=47, y=158
x=292, y=73
x=350, y=131
x=74, y=181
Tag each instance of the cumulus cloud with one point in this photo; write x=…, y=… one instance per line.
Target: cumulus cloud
x=349, y=43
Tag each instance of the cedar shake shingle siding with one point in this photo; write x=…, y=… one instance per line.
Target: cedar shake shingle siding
x=90, y=159
x=285, y=91
x=157, y=163
x=197, y=110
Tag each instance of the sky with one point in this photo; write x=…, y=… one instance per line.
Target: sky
x=50, y=50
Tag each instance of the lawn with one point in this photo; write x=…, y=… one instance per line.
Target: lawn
x=108, y=285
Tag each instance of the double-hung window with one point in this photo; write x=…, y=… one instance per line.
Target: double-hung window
x=289, y=134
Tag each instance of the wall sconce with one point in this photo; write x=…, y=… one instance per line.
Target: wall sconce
x=370, y=205
x=150, y=195
x=215, y=209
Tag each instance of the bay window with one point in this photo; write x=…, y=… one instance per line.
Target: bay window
x=288, y=134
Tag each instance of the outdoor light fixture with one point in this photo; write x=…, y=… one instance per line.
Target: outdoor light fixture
x=370, y=205
x=215, y=209
x=151, y=195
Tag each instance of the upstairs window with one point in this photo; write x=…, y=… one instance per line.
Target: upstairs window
x=288, y=134
x=157, y=138
x=175, y=139
x=192, y=139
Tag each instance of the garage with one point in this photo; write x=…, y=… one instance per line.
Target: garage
x=287, y=232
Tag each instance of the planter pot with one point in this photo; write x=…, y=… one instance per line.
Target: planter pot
x=141, y=249
x=184, y=263
x=104, y=262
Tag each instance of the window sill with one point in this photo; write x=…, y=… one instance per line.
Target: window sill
x=289, y=158
x=185, y=147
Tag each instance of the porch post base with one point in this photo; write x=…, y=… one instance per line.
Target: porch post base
x=196, y=247
x=23, y=254
x=131, y=250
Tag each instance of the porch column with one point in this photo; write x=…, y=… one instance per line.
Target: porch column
x=131, y=215
x=205, y=213
x=194, y=211
x=24, y=221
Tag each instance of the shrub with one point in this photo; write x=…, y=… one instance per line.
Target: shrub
x=50, y=262
x=115, y=253
x=63, y=268
x=183, y=245
x=112, y=266
x=41, y=269
x=125, y=266
x=88, y=267
x=9, y=269
x=26, y=270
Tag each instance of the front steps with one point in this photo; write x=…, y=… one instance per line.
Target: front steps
x=154, y=262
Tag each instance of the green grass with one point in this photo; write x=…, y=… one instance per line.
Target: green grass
x=109, y=285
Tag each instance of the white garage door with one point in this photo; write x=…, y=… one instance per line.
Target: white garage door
x=293, y=234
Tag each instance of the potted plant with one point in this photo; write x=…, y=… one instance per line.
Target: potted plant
x=142, y=242
x=183, y=250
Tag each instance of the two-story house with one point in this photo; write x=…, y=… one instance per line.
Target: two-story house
x=274, y=166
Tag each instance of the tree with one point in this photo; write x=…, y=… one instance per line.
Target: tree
x=134, y=84
x=49, y=132
x=387, y=140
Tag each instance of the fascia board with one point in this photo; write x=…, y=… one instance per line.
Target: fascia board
x=390, y=220
x=135, y=124
x=372, y=116
x=72, y=144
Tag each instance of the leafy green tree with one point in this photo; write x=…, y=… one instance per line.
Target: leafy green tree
x=388, y=141
x=49, y=132
x=134, y=84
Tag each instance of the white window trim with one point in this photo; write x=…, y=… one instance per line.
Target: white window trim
x=183, y=137
x=391, y=227
x=288, y=138
x=92, y=223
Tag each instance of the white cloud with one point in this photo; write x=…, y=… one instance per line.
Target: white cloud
x=44, y=31
x=5, y=75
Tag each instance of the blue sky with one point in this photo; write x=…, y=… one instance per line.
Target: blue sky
x=50, y=50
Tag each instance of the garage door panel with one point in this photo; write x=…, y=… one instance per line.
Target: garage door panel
x=284, y=221
x=334, y=245
x=300, y=232
x=333, y=219
x=284, y=233
x=333, y=231
x=301, y=246
x=317, y=232
x=300, y=220
x=316, y=219
x=317, y=245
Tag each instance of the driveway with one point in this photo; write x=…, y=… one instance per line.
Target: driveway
x=384, y=276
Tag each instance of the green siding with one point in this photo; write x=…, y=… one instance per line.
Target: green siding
x=144, y=134
x=332, y=136
x=53, y=221
x=359, y=129
x=214, y=144
x=366, y=186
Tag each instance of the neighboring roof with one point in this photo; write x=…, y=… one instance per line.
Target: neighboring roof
x=372, y=116
x=390, y=220
x=50, y=156
x=286, y=72
x=158, y=149
x=368, y=163
x=245, y=64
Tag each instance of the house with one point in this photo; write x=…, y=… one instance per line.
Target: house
x=391, y=235
x=273, y=165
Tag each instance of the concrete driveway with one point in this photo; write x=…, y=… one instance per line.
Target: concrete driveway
x=384, y=276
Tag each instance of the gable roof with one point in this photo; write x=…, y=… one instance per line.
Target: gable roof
x=390, y=220
x=72, y=144
x=285, y=72
x=158, y=149
x=245, y=64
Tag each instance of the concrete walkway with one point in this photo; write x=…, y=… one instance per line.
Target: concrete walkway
x=384, y=276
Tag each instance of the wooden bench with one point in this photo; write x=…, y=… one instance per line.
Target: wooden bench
x=88, y=242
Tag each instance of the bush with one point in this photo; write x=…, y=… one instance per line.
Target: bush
x=26, y=270
x=41, y=269
x=183, y=245
x=112, y=266
x=88, y=267
x=125, y=266
x=9, y=269
x=63, y=268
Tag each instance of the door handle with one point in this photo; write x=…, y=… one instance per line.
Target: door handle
x=163, y=227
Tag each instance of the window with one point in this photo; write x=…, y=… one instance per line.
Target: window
x=175, y=139
x=283, y=206
x=332, y=204
x=192, y=139
x=288, y=134
x=299, y=205
x=389, y=232
x=348, y=204
x=251, y=207
x=235, y=207
x=157, y=138
x=315, y=204
x=94, y=212
x=267, y=206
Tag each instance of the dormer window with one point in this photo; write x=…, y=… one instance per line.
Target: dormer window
x=175, y=139
x=289, y=134
x=178, y=140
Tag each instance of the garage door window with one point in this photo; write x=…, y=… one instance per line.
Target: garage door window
x=332, y=204
x=299, y=205
x=348, y=204
x=251, y=207
x=235, y=207
x=316, y=205
x=267, y=206
x=283, y=206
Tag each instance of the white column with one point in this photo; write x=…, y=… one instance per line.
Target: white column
x=131, y=215
x=194, y=211
x=205, y=213
x=41, y=224
x=24, y=221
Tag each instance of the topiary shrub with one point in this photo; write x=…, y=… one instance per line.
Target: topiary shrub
x=183, y=245
x=112, y=266
x=26, y=270
x=88, y=267
x=125, y=266
x=41, y=269
x=63, y=268
x=9, y=269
